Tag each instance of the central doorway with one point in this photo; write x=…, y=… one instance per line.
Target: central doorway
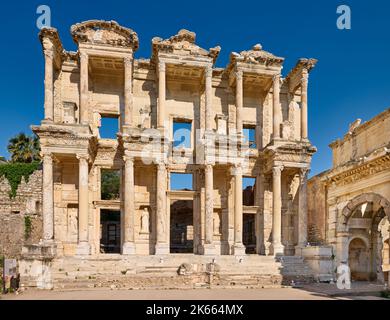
x=110, y=231
x=181, y=226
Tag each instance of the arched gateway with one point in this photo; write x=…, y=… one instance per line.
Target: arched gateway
x=364, y=224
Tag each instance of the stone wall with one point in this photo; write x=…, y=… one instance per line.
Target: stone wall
x=16, y=213
x=316, y=210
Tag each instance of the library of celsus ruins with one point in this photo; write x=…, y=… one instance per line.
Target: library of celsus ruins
x=206, y=172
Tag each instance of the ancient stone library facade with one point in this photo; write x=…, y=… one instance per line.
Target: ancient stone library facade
x=204, y=180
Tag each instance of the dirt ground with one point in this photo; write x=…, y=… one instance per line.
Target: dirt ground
x=314, y=292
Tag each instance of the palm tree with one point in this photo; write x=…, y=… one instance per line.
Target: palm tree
x=24, y=148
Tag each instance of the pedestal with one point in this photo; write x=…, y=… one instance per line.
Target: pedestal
x=162, y=248
x=83, y=248
x=128, y=248
x=238, y=250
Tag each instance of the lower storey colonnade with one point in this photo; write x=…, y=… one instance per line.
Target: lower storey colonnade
x=221, y=222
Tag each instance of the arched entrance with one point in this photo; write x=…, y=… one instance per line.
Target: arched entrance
x=365, y=220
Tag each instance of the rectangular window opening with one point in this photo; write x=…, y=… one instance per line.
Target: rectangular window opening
x=109, y=126
x=181, y=181
x=182, y=133
x=110, y=184
x=248, y=191
x=250, y=135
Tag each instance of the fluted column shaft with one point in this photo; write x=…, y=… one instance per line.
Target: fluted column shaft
x=277, y=210
x=302, y=214
x=208, y=96
x=209, y=210
x=238, y=248
x=304, y=85
x=49, y=85
x=277, y=113
x=47, y=198
x=162, y=246
x=83, y=88
x=161, y=94
x=128, y=94
x=128, y=236
x=83, y=247
x=239, y=100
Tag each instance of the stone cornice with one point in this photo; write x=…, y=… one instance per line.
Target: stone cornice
x=352, y=173
x=299, y=72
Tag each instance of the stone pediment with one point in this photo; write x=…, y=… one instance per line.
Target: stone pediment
x=256, y=56
x=104, y=32
x=183, y=44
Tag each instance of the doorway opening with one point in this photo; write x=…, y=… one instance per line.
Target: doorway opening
x=359, y=260
x=182, y=226
x=110, y=231
x=249, y=233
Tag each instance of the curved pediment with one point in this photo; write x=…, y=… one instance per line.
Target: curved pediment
x=183, y=43
x=104, y=32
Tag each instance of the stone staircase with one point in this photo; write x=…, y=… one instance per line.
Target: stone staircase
x=184, y=271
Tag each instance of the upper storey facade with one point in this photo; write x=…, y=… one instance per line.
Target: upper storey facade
x=179, y=82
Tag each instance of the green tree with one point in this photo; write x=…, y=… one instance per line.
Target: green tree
x=24, y=148
x=110, y=184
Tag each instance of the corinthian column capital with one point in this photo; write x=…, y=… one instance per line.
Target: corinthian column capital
x=238, y=74
x=82, y=157
x=161, y=66
x=303, y=173
x=277, y=170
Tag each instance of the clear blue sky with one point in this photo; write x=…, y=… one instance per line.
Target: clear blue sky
x=350, y=81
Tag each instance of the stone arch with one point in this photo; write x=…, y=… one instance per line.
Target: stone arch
x=360, y=237
x=360, y=199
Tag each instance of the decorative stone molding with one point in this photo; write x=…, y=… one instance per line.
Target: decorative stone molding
x=104, y=32
x=183, y=43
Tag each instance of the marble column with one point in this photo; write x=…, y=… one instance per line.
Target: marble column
x=302, y=211
x=129, y=210
x=161, y=94
x=83, y=107
x=47, y=200
x=128, y=93
x=277, y=112
x=239, y=100
x=278, y=248
x=162, y=245
x=83, y=247
x=304, y=85
x=259, y=201
x=209, y=247
x=49, y=85
x=208, y=96
x=342, y=247
x=238, y=248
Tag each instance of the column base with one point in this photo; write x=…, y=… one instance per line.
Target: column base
x=128, y=248
x=209, y=249
x=277, y=249
x=162, y=248
x=298, y=249
x=238, y=249
x=83, y=249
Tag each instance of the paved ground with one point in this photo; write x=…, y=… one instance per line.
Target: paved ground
x=312, y=292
